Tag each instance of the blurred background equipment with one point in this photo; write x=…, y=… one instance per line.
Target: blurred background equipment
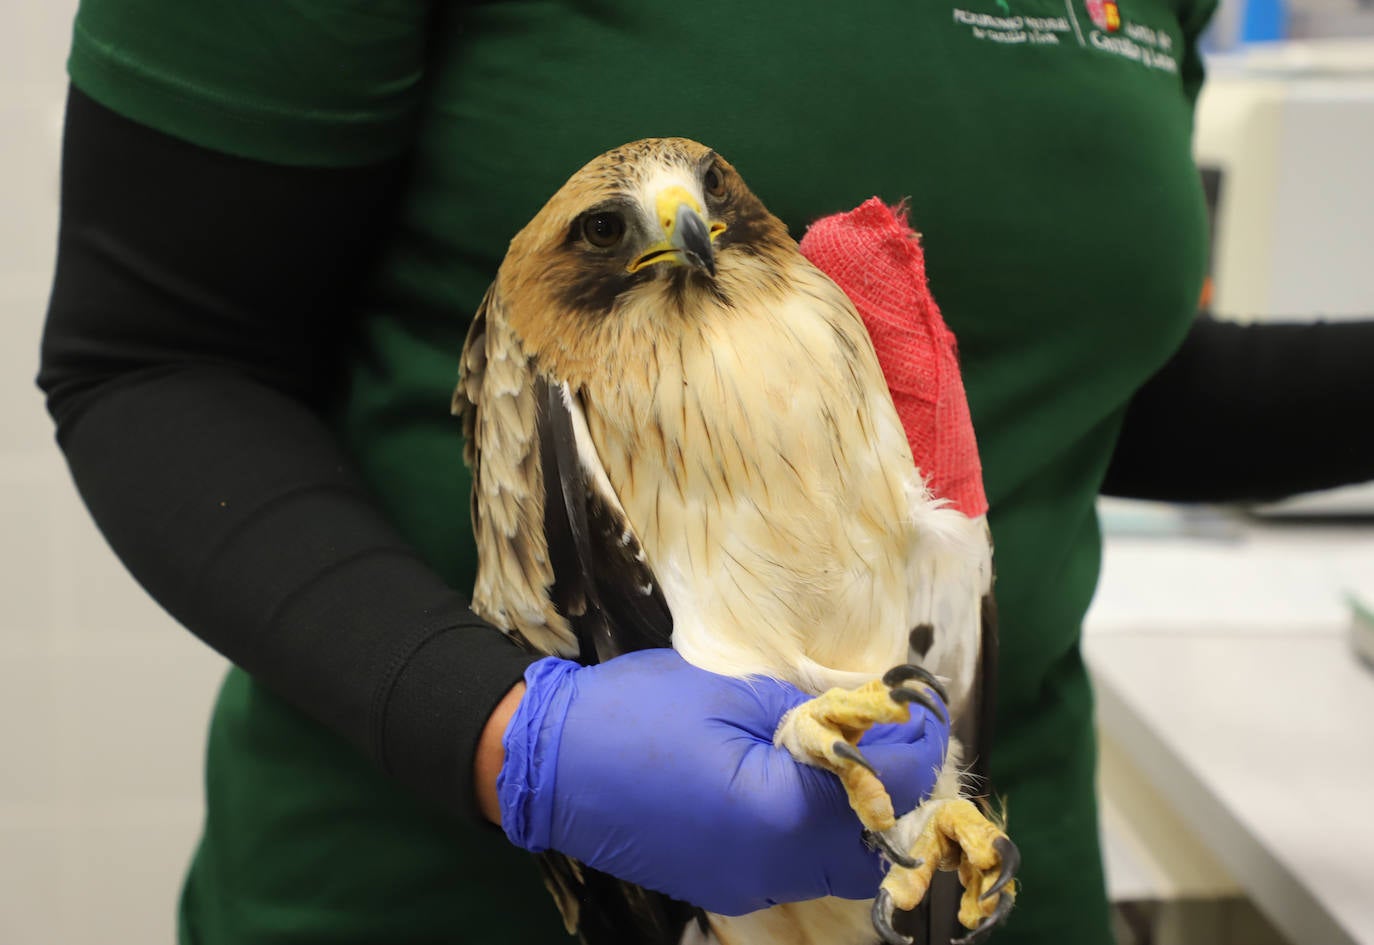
x=1207, y=603
x=1288, y=129
x=1249, y=21
x=1284, y=138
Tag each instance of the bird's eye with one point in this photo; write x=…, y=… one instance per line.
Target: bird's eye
x=714, y=182
x=604, y=229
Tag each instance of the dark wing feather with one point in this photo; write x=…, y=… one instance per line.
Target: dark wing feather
x=598, y=583
x=606, y=591
x=603, y=910
x=602, y=583
x=985, y=698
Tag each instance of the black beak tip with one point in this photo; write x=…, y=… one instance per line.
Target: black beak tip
x=696, y=242
x=706, y=264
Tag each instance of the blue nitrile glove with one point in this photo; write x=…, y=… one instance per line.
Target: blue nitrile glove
x=663, y=774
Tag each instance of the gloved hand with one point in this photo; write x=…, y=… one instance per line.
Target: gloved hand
x=663, y=774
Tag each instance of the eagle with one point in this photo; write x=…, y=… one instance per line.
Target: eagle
x=681, y=436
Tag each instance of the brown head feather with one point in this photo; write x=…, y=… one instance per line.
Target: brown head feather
x=580, y=308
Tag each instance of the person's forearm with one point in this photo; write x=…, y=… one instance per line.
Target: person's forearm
x=190, y=344
x=237, y=511
x=1251, y=412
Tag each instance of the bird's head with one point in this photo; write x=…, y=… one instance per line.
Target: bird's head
x=660, y=224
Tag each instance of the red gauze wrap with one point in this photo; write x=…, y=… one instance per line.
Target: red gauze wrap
x=875, y=257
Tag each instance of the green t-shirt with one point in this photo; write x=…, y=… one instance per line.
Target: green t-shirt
x=1044, y=149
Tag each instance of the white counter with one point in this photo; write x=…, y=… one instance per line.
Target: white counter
x=1224, y=673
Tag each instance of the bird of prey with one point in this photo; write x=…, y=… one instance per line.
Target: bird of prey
x=681, y=436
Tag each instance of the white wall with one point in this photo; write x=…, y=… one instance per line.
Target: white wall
x=103, y=699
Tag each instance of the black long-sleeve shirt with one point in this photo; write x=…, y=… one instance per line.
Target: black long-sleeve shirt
x=190, y=351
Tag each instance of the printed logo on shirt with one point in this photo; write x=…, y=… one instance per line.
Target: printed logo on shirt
x=1011, y=29
x=1106, y=30
x=1106, y=15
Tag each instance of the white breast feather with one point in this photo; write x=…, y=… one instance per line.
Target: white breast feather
x=782, y=515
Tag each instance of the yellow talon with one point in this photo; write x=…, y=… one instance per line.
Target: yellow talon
x=825, y=732
x=958, y=836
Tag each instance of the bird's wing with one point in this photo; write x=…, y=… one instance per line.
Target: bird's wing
x=935, y=920
x=603, y=910
x=561, y=567
x=497, y=403
x=612, y=602
x=984, y=698
x=577, y=586
x=599, y=564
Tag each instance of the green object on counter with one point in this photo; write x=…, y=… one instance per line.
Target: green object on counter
x=1362, y=628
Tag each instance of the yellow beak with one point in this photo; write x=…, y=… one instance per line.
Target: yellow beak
x=686, y=237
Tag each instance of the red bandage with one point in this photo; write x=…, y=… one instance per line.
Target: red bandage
x=875, y=257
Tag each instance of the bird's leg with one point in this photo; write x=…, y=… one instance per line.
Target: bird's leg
x=956, y=835
x=825, y=732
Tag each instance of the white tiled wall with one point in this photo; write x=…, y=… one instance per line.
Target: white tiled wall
x=103, y=698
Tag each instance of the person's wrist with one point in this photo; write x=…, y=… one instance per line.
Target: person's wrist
x=525, y=784
x=491, y=753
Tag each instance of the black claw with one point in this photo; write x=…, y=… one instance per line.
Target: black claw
x=897, y=675
x=846, y=750
x=998, y=914
x=1011, y=863
x=902, y=694
x=879, y=842
x=882, y=920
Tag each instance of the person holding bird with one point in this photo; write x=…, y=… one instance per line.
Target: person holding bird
x=279, y=222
